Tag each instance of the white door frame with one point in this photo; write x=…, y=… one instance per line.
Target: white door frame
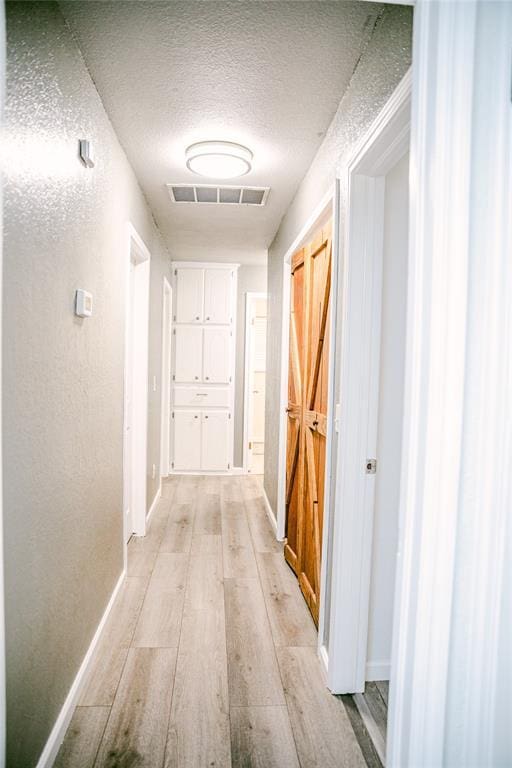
x=165, y=380
x=2, y=620
x=452, y=668
x=361, y=287
x=322, y=213
x=249, y=297
x=134, y=471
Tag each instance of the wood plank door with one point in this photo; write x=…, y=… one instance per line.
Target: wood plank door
x=307, y=412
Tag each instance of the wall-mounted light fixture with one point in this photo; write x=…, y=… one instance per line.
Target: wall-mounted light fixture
x=218, y=159
x=85, y=151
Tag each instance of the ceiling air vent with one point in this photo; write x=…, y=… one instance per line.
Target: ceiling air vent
x=212, y=194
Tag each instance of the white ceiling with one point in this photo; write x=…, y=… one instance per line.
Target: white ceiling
x=269, y=75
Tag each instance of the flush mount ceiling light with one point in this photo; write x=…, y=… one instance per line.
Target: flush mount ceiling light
x=218, y=159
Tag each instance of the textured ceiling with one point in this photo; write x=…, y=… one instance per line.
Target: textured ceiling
x=269, y=75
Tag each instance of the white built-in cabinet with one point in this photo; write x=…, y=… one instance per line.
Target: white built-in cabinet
x=203, y=371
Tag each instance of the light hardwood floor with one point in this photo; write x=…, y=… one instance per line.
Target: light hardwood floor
x=209, y=655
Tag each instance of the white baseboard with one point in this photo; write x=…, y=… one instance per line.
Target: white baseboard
x=324, y=661
x=58, y=731
x=238, y=471
x=377, y=670
x=154, y=503
x=270, y=513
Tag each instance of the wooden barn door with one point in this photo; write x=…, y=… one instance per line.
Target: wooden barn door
x=307, y=412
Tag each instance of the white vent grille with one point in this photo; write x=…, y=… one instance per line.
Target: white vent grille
x=213, y=194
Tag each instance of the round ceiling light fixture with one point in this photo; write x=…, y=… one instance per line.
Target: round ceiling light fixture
x=218, y=159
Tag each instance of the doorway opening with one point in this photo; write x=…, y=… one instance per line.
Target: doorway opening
x=135, y=386
x=364, y=539
x=255, y=367
x=165, y=409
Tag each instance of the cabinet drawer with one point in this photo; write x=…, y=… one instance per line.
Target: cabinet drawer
x=197, y=397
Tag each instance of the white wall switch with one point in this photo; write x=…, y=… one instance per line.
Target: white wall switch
x=83, y=303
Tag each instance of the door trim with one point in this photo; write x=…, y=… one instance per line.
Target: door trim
x=165, y=380
x=249, y=296
x=142, y=258
x=361, y=286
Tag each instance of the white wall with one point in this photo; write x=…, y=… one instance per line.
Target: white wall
x=389, y=440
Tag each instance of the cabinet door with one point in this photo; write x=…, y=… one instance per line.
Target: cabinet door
x=187, y=440
x=214, y=440
x=216, y=358
x=217, y=296
x=189, y=299
x=188, y=354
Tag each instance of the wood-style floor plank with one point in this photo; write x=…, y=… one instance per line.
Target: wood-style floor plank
x=263, y=536
x=239, y=560
x=83, y=738
x=323, y=734
x=253, y=673
x=371, y=725
x=110, y=655
x=261, y=737
x=207, y=515
x=383, y=686
x=199, y=724
x=178, y=532
x=159, y=622
x=290, y=620
x=136, y=731
x=206, y=544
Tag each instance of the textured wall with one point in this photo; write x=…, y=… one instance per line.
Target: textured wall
x=63, y=376
x=382, y=65
x=249, y=279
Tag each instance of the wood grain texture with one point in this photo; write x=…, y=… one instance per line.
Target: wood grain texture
x=177, y=536
x=253, y=673
x=207, y=514
x=322, y=730
x=199, y=724
x=159, y=622
x=83, y=738
x=110, y=655
x=383, y=686
x=206, y=544
x=136, y=732
x=363, y=737
x=263, y=537
x=188, y=657
x=290, y=620
x=261, y=737
x=371, y=725
x=239, y=560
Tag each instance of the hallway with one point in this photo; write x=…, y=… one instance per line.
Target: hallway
x=209, y=656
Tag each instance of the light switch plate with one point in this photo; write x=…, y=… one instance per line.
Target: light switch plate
x=83, y=303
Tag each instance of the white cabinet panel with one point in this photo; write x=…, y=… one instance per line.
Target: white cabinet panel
x=216, y=357
x=217, y=296
x=189, y=354
x=215, y=440
x=189, y=299
x=197, y=397
x=187, y=440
